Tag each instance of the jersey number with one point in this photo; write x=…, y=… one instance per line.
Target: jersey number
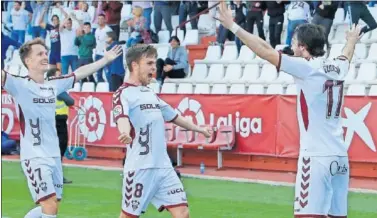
x=328, y=86
x=144, y=140
x=36, y=132
x=298, y=5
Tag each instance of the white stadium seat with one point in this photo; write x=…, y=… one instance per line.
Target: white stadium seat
x=351, y=75
x=168, y=88
x=372, y=56
x=335, y=51
x=185, y=88
x=373, y=90
x=356, y=90
x=285, y=77
x=162, y=52
x=155, y=87
x=88, y=87
x=216, y=72
x=360, y=51
x=199, y=72
x=191, y=38
x=246, y=54
x=174, y=21
x=201, y=88
x=268, y=73
x=340, y=34
x=205, y=23
x=250, y=73
x=233, y=72
x=255, y=89
x=213, y=53
x=367, y=72
x=163, y=36
x=102, y=87
x=274, y=89
x=230, y=53
x=237, y=89
x=291, y=89
x=219, y=89
x=77, y=87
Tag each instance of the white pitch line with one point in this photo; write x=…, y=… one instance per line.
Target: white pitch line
x=194, y=176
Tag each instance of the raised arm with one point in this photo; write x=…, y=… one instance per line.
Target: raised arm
x=89, y=69
x=41, y=23
x=256, y=44
x=353, y=36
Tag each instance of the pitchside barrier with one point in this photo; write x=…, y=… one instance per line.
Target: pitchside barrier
x=264, y=125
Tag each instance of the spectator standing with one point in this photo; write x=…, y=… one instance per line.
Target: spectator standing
x=275, y=9
x=359, y=10
x=298, y=13
x=113, y=11
x=176, y=63
x=98, y=6
x=6, y=41
x=101, y=36
x=138, y=31
x=116, y=68
x=324, y=16
x=69, y=50
x=188, y=8
x=240, y=19
x=86, y=42
x=255, y=16
x=223, y=33
x=147, y=11
x=38, y=8
x=162, y=10
x=82, y=15
x=20, y=19
x=55, y=47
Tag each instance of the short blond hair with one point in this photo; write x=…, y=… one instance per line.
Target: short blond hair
x=26, y=48
x=137, y=11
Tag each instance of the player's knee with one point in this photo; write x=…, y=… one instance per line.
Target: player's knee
x=50, y=205
x=180, y=212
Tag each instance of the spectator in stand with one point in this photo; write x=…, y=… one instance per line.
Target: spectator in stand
x=371, y=3
x=255, y=15
x=240, y=19
x=86, y=42
x=101, y=36
x=69, y=50
x=56, y=9
x=324, y=16
x=99, y=11
x=55, y=47
x=275, y=9
x=20, y=19
x=116, y=68
x=298, y=13
x=6, y=41
x=359, y=10
x=147, y=11
x=176, y=63
x=188, y=8
x=162, y=10
x=38, y=8
x=138, y=31
x=113, y=11
x=223, y=33
x=8, y=146
x=82, y=15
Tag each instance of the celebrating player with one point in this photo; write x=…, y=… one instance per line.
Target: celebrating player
x=323, y=168
x=140, y=116
x=40, y=153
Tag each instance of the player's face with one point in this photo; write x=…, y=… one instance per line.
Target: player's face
x=37, y=60
x=296, y=48
x=147, y=67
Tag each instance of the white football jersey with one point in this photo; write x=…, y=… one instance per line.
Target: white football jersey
x=147, y=114
x=298, y=10
x=36, y=103
x=320, y=86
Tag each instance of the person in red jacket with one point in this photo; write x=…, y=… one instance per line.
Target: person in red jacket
x=113, y=10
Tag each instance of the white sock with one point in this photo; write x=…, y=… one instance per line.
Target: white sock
x=48, y=216
x=34, y=213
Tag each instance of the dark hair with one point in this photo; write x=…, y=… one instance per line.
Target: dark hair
x=136, y=52
x=176, y=39
x=51, y=72
x=112, y=35
x=52, y=18
x=313, y=37
x=26, y=48
x=87, y=24
x=102, y=15
x=18, y=2
x=69, y=19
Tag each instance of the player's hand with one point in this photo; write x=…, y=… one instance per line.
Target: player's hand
x=113, y=53
x=207, y=132
x=353, y=35
x=225, y=15
x=125, y=138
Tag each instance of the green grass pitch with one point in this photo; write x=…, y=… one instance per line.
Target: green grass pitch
x=97, y=193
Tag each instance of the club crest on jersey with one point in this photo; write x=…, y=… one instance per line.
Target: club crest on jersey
x=135, y=204
x=117, y=110
x=43, y=186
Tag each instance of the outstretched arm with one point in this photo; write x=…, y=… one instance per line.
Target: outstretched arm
x=353, y=36
x=89, y=69
x=256, y=44
x=189, y=125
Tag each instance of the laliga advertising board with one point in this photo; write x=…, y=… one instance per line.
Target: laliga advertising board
x=265, y=125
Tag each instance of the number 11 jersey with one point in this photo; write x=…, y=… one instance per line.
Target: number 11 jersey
x=147, y=114
x=36, y=104
x=320, y=88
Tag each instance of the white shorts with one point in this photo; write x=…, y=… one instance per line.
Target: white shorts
x=44, y=177
x=161, y=187
x=321, y=186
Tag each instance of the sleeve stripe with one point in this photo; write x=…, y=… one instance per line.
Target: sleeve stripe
x=342, y=57
x=62, y=77
x=175, y=117
x=279, y=63
x=4, y=79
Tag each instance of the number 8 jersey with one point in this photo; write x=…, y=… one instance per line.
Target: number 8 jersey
x=36, y=104
x=147, y=114
x=320, y=87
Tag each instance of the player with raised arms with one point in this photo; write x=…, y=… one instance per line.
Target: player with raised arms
x=140, y=114
x=36, y=96
x=323, y=167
